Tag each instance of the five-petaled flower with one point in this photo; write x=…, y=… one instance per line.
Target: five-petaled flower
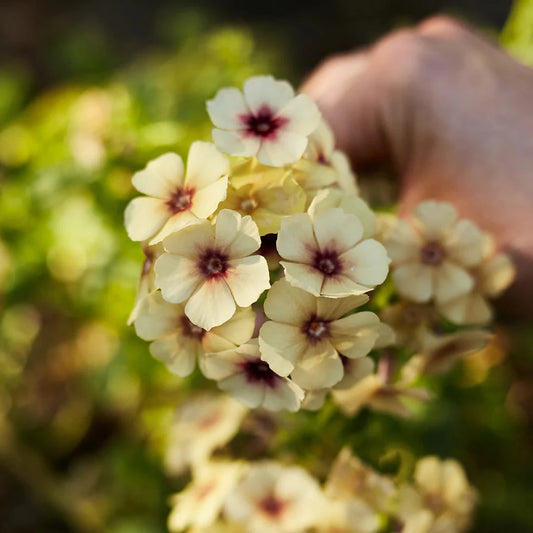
x=212, y=268
x=266, y=120
x=324, y=254
x=174, y=198
x=306, y=335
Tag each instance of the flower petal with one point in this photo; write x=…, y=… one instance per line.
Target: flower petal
x=173, y=224
x=288, y=304
x=247, y=278
x=177, y=277
x=284, y=148
x=367, y=263
x=161, y=176
x=211, y=305
x=220, y=365
x=296, y=240
x=496, y=275
x=239, y=329
x=303, y=276
x=435, y=218
x=144, y=217
x=336, y=230
x=335, y=308
x=286, y=395
x=190, y=241
x=451, y=281
x=342, y=286
x=178, y=354
x=318, y=368
x=206, y=200
x=465, y=243
x=414, y=281
x=205, y=165
x=280, y=346
x=260, y=91
x=402, y=243
x=470, y=308
x=302, y=113
x=226, y=107
x=158, y=318
x=355, y=335
x=235, y=143
x=237, y=386
x=236, y=235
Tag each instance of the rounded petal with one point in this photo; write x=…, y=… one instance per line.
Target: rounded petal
x=414, y=281
x=161, y=176
x=179, y=356
x=284, y=148
x=335, y=308
x=220, y=365
x=247, y=278
x=190, y=241
x=173, y=224
x=435, y=218
x=302, y=113
x=211, y=305
x=177, y=277
x=288, y=304
x=158, y=318
x=281, y=345
x=206, y=200
x=355, y=335
x=336, y=230
x=286, y=395
x=260, y=91
x=144, y=217
x=296, y=240
x=236, y=235
x=402, y=243
x=470, y=308
x=226, y=107
x=346, y=178
x=367, y=263
x=239, y=329
x=465, y=243
x=451, y=281
x=303, y=276
x=251, y=395
x=496, y=275
x=205, y=165
x=236, y=143
x=341, y=286
x=321, y=142
x=320, y=367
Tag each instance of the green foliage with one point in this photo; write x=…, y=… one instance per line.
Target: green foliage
x=517, y=36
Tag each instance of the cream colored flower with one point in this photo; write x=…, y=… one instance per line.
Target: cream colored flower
x=174, y=200
x=373, y=391
x=349, y=478
x=244, y=376
x=441, y=499
x=347, y=516
x=200, y=503
x=431, y=258
x=201, y=425
x=272, y=498
x=325, y=256
x=267, y=203
x=265, y=120
x=213, y=269
x=491, y=277
x=306, y=335
x=179, y=343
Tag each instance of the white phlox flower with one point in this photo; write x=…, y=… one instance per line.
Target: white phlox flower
x=325, y=256
x=175, y=198
x=179, y=343
x=266, y=120
x=431, y=258
x=272, y=498
x=306, y=336
x=201, y=425
x=213, y=269
x=244, y=376
x=201, y=502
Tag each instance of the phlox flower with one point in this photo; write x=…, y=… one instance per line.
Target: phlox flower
x=178, y=342
x=491, y=277
x=440, y=500
x=272, y=498
x=431, y=257
x=267, y=203
x=244, y=376
x=201, y=502
x=324, y=254
x=174, y=198
x=306, y=335
x=201, y=425
x=266, y=120
x=212, y=268
x=349, y=515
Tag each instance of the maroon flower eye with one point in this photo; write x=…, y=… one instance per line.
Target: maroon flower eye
x=263, y=124
x=213, y=264
x=180, y=200
x=257, y=371
x=327, y=262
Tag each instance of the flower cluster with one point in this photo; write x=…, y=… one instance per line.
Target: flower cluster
x=263, y=496
x=260, y=266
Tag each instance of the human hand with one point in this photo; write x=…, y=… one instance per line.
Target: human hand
x=452, y=114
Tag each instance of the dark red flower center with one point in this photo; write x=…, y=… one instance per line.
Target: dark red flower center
x=213, y=264
x=316, y=329
x=263, y=123
x=432, y=254
x=258, y=372
x=272, y=506
x=190, y=330
x=180, y=200
x=327, y=262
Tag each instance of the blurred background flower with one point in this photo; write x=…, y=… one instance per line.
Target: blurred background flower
x=89, y=93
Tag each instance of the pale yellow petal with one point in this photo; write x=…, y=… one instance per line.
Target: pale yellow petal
x=341, y=286
x=336, y=230
x=173, y=224
x=211, y=305
x=235, y=143
x=303, y=276
x=247, y=278
x=236, y=235
x=260, y=91
x=179, y=356
x=144, y=217
x=296, y=240
x=191, y=241
x=496, y=275
x=334, y=308
x=177, y=277
x=355, y=335
x=367, y=263
x=206, y=200
x=161, y=177
x=288, y=304
x=435, y=218
x=465, y=243
x=319, y=367
x=239, y=329
x=226, y=108
x=402, y=243
x=205, y=165
x=414, y=281
x=285, y=148
x=303, y=115
x=451, y=281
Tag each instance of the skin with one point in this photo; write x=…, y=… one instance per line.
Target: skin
x=452, y=114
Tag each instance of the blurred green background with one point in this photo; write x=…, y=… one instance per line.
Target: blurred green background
x=89, y=92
